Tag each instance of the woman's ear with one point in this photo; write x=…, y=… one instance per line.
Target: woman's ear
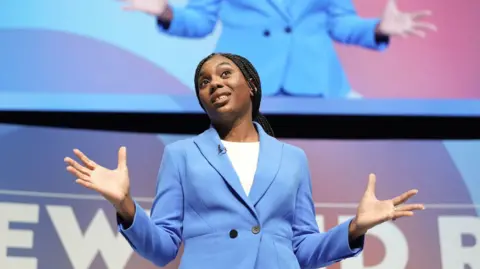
x=253, y=89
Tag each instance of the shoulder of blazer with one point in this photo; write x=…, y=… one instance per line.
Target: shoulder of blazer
x=295, y=155
x=176, y=150
x=294, y=151
x=182, y=144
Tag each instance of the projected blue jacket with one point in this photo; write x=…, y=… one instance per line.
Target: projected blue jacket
x=291, y=44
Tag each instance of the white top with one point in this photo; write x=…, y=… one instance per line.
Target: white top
x=244, y=158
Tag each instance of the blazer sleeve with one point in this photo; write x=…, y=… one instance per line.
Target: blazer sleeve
x=157, y=238
x=345, y=26
x=312, y=248
x=197, y=19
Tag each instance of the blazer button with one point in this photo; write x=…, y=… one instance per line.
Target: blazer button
x=256, y=229
x=266, y=33
x=288, y=29
x=233, y=233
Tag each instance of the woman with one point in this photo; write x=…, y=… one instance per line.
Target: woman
x=282, y=37
x=234, y=195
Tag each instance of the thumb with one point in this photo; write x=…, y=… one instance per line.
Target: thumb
x=122, y=157
x=372, y=179
x=390, y=7
x=392, y=3
x=129, y=8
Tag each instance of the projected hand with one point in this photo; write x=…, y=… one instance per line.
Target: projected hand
x=372, y=212
x=397, y=23
x=113, y=185
x=151, y=7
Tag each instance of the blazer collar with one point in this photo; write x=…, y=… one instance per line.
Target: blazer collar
x=269, y=159
x=282, y=8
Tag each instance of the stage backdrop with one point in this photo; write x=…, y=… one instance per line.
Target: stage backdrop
x=49, y=222
x=89, y=55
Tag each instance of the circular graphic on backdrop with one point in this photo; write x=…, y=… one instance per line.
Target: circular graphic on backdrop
x=340, y=172
x=61, y=62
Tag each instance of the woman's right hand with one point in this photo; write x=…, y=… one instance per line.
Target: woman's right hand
x=152, y=7
x=113, y=185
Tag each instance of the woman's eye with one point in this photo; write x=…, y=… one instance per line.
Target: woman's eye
x=204, y=82
x=225, y=73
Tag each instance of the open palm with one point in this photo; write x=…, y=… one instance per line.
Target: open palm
x=372, y=212
x=113, y=185
x=397, y=23
x=151, y=7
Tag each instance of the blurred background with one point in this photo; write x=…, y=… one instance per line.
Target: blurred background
x=85, y=74
x=90, y=55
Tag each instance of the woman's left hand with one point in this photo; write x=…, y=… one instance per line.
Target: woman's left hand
x=397, y=23
x=372, y=212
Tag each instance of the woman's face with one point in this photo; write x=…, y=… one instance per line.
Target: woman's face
x=223, y=90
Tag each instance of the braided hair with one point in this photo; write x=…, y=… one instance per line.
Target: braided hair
x=253, y=79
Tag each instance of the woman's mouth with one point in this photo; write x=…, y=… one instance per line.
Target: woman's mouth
x=220, y=98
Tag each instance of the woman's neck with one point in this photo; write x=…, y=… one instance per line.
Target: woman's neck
x=241, y=131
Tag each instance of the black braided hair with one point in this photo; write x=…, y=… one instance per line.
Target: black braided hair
x=251, y=76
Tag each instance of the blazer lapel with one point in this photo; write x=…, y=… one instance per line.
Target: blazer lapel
x=268, y=165
x=281, y=7
x=208, y=143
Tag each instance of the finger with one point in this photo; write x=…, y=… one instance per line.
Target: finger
x=84, y=183
x=89, y=163
x=77, y=173
x=130, y=8
x=410, y=207
x=77, y=166
x=122, y=157
x=392, y=3
x=420, y=14
x=402, y=198
x=426, y=26
x=416, y=32
x=372, y=179
x=401, y=214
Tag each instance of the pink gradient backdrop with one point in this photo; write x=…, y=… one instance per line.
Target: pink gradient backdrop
x=443, y=65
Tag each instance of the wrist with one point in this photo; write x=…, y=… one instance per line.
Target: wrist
x=355, y=231
x=166, y=16
x=379, y=29
x=126, y=208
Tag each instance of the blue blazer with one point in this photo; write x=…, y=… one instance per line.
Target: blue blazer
x=291, y=45
x=199, y=201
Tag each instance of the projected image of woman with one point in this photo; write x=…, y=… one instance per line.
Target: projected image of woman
x=291, y=43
